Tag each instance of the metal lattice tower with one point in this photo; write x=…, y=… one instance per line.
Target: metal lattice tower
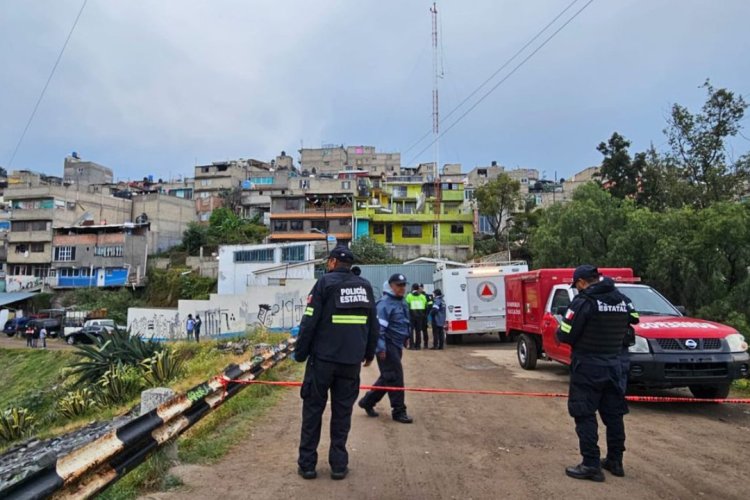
x=436, y=126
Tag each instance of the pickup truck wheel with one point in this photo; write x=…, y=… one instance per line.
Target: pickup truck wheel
x=70, y=340
x=710, y=391
x=10, y=334
x=527, y=351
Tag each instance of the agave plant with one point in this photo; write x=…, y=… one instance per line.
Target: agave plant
x=15, y=423
x=77, y=402
x=162, y=367
x=116, y=348
x=119, y=384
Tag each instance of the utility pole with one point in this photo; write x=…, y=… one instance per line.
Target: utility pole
x=436, y=126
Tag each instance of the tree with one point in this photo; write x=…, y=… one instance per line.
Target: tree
x=620, y=174
x=698, y=146
x=194, y=237
x=369, y=251
x=497, y=200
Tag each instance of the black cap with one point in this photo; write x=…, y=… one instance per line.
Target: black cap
x=586, y=272
x=397, y=278
x=415, y=286
x=356, y=270
x=437, y=292
x=342, y=254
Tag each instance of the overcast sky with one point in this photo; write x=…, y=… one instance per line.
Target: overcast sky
x=154, y=86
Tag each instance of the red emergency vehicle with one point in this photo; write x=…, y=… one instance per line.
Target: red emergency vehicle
x=671, y=350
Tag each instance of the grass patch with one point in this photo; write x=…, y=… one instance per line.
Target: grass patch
x=741, y=387
x=26, y=371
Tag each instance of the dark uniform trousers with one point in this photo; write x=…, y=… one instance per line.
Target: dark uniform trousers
x=391, y=375
x=438, y=336
x=343, y=382
x=418, y=320
x=597, y=386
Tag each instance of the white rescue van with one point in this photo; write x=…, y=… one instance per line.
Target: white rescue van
x=475, y=297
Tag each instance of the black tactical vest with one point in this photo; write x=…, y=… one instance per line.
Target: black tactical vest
x=605, y=330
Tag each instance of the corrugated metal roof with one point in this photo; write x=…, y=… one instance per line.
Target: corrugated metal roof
x=9, y=298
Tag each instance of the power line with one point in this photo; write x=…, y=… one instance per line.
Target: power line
x=516, y=68
x=44, y=90
x=493, y=75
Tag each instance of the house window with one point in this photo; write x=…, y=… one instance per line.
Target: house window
x=378, y=228
x=262, y=255
x=399, y=191
x=206, y=182
x=411, y=231
x=63, y=254
x=22, y=248
x=292, y=203
x=346, y=184
x=320, y=225
x=296, y=225
x=293, y=254
x=457, y=229
x=280, y=225
x=108, y=251
x=37, y=247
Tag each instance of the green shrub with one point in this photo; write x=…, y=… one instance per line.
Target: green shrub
x=15, y=423
x=162, y=368
x=77, y=403
x=118, y=348
x=119, y=384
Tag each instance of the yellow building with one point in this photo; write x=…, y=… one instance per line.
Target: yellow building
x=404, y=213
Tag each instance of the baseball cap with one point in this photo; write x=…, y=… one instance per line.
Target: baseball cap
x=342, y=254
x=397, y=278
x=584, y=271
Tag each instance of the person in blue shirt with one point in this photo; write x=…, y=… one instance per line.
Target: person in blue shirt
x=393, y=318
x=437, y=313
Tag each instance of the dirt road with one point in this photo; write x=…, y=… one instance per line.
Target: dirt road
x=477, y=447
x=19, y=342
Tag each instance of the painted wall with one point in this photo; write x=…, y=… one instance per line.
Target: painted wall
x=274, y=307
x=234, y=277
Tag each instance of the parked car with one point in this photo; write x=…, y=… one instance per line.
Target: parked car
x=14, y=325
x=87, y=334
x=53, y=325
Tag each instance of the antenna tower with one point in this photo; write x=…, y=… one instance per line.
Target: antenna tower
x=436, y=127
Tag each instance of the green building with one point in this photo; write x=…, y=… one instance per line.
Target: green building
x=403, y=212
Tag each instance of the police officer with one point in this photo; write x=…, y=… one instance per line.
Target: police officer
x=417, y=303
x=393, y=317
x=438, y=319
x=339, y=330
x=596, y=325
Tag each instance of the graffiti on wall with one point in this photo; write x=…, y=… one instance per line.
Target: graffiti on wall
x=22, y=283
x=155, y=323
x=216, y=321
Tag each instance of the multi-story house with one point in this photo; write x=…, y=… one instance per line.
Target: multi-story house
x=35, y=210
x=213, y=181
x=415, y=216
x=311, y=217
x=333, y=159
x=99, y=255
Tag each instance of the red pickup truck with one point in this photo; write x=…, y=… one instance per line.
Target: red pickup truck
x=671, y=350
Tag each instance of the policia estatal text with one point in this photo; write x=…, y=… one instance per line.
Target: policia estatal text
x=596, y=326
x=339, y=330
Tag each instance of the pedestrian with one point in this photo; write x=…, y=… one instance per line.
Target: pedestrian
x=393, y=318
x=197, y=327
x=338, y=332
x=35, y=336
x=595, y=326
x=29, y=334
x=190, y=326
x=43, y=336
x=438, y=320
x=356, y=270
x=417, y=304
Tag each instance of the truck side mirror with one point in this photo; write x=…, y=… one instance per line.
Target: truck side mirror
x=682, y=310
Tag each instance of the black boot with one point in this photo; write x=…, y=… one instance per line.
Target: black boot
x=581, y=471
x=368, y=409
x=307, y=474
x=614, y=467
x=338, y=475
x=403, y=418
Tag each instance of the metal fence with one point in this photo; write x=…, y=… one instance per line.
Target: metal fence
x=376, y=274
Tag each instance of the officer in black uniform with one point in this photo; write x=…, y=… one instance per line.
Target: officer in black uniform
x=339, y=330
x=596, y=325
